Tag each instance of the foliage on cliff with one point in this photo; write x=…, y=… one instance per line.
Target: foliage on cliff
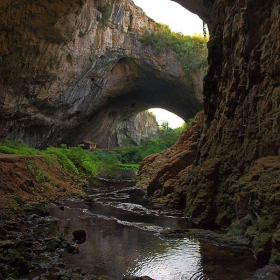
x=106, y=11
x=191, y=50
x=167, y=138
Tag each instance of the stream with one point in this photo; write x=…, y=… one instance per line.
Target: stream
x=123, y=238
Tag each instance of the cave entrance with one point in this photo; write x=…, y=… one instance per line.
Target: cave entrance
x=132, y=86
x=162, y=115
x=139, y=79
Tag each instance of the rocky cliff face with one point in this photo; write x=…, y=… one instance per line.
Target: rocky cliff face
x=225, y=171
x=131, y=132
x=74, y=70
x=70, y=71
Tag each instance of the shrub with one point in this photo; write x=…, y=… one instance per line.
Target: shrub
x=17, y=147
x=62, y=159
x=167, y=138
x=106, y=13
x=191, y=50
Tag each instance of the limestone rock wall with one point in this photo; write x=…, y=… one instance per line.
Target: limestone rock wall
x=74, y=70
x=142, y=127
x=233, y=181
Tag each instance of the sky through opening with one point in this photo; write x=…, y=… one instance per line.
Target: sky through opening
x=179, y=20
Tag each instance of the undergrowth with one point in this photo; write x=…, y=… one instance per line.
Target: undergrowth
x=167, y=138
x=74, y=159
x=85, y=163
x=106, y=11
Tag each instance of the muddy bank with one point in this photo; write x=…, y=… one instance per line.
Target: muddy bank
x=32, y=178
x=27, y=183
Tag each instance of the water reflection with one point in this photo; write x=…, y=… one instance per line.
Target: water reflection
x=115, y=249
x=173, y=259
x=123, y=239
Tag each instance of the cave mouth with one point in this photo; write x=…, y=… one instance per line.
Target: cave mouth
x=163, y=115
x=134, y=85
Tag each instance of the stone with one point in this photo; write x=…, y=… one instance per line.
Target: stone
x=5, y=244
x=32, y=207
x=232, y=182
x=53, y=244
x=76, y=76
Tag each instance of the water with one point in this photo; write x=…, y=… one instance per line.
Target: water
x=123, y=238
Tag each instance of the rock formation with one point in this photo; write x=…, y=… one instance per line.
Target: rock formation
x=143, y=126
x=74, y=70
x=225, y=171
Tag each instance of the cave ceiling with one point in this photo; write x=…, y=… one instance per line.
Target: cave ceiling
x=66, y=76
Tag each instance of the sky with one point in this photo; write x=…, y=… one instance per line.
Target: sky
x=171, y=13
x=179, y=20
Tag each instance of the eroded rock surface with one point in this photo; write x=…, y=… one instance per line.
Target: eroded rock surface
x=65, y=72
x=74, y=70
x=233, y=181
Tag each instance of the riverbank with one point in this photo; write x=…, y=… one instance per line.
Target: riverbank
x=28, y=183
x=33, y=178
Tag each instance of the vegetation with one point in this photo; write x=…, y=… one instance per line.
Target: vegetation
x=17, y=147
x=167, y=138
x=86, y=163
x=191, y=50
x=75, y=159
x=152, y=115
x=106, y=11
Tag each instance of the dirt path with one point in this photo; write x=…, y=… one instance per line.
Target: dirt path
x=17, y=156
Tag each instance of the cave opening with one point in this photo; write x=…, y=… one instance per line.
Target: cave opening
x=134, y=85
x=170, y=118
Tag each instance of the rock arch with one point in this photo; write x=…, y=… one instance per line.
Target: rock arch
x=74, y=77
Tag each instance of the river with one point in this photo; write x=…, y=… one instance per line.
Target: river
x=123, y=238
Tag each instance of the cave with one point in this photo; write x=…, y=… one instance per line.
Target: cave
x=85, y=83
x=67, y=75
x=133, y=86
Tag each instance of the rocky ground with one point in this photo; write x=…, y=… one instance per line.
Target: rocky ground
x=27, y=184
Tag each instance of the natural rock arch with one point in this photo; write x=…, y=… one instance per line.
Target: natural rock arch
x=69, y=77
x=132, y=86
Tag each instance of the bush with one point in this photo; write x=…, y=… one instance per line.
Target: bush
x=106, y=13
x=167, y=138
x=191, y=50
x=62, y=159
x=17, y=147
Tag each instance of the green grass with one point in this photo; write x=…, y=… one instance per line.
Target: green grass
x=86, y=163
x=129, y=166
x=74, y=159
x=17, y=147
